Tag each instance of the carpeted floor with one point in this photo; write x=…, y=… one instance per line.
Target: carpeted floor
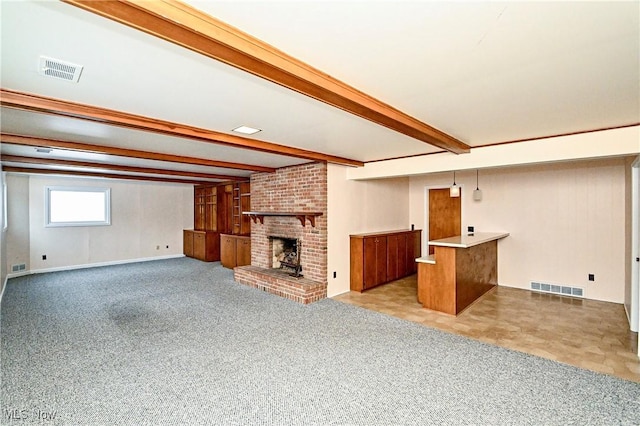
x=179, y=342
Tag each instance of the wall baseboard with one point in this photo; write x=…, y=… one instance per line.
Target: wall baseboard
x=95, y=265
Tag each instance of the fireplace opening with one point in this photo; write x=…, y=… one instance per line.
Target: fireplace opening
x=286, y=255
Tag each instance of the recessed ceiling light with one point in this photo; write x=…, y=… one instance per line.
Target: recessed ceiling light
x=246, y=130
x=44, y=150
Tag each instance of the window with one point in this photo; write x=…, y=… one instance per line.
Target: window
x=77, y=206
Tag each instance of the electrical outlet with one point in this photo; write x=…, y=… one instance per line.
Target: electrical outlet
x=167, y=246
x=44, y=257
x=157, y=247
x=592, y=277
x=334, y=274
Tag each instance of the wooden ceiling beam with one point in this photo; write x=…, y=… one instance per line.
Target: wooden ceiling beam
x=115, y=167
x=33, y=170
x=188, y=27
x=30, y=102
x=125, y=152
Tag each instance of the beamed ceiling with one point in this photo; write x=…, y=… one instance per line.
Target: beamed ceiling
x=164, y=82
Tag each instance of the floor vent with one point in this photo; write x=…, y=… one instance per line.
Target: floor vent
x=18, y=268
x=557, y=289
x=59, y=69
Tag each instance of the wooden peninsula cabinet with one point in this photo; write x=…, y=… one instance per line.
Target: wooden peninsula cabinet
x=217, y=211
x=381, y=257
x=235, y=250
x=463, y=268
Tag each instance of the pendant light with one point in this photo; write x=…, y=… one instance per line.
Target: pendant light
x=477, y=194
x=454, y=190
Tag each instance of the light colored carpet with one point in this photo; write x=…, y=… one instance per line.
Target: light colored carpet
x=179, y=342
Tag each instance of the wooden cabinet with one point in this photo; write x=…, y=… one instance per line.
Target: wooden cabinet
x=235, y=250
x=205, y=216
x=377, y=258
x=202, y=245
x=217, y=209
x=233, y=199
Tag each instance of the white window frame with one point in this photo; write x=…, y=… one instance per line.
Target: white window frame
x=107, y=206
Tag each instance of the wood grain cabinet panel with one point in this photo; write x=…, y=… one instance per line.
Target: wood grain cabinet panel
x=392, y=258
x=227, y=251
x=243, y=251
x=235, y=250
x=378, y=258
x=202, y=245
x=187, y=242
x=375, y=261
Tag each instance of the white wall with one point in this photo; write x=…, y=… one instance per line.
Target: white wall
x=143, y=217
x=3, y=236
x=566, y=220
x=356, y=207
x=18, y=215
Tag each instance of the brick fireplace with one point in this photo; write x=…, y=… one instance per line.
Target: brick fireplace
x=292, y=189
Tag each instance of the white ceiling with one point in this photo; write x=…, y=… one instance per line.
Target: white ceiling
x=483, y=72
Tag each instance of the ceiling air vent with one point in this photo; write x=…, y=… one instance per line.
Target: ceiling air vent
x=59, y=69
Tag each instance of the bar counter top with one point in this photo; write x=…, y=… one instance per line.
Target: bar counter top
x=466, y=241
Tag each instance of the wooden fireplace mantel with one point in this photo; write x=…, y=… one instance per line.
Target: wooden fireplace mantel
x=301, y=216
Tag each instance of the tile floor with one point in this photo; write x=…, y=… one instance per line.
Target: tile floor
x=585, y=333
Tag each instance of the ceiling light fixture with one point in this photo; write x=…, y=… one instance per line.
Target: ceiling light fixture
x=477, y=194
x=246, y=130
x=44, y=150
x=454, y=190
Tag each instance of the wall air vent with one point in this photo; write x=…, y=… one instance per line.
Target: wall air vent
x=557, y=289
x=62, y=70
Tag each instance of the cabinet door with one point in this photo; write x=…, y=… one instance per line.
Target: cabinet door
x=381, y=260
x=356, y=263
x=375, y=261
x=228, y=251
x=392, y=257
x=403, y=240
x=199, y=209
x=210, y=212
x=187, y=243
x=243, y=251
x=369, y=265
x=199, y=245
